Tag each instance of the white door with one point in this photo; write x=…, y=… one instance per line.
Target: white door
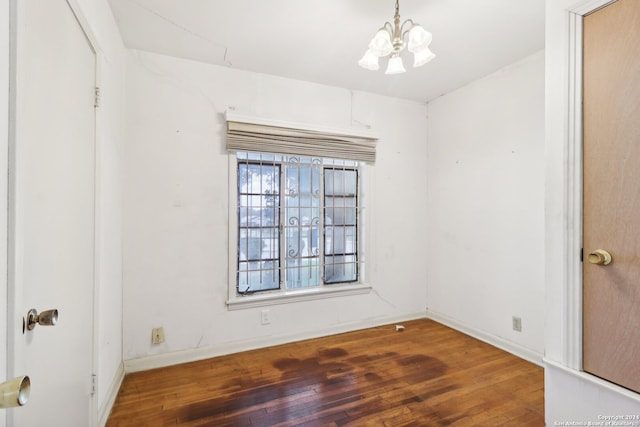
x=52, y=172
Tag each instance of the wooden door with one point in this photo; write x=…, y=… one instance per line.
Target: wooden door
x=52, y=214
x=612, y=192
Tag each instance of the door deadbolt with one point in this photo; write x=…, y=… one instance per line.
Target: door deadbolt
x=600, y=257
x=46, y=318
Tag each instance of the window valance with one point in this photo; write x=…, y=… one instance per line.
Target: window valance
x=246, y=136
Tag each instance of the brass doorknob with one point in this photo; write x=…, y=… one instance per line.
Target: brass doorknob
x=600, y=257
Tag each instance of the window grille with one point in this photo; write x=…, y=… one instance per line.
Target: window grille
x=297, y=221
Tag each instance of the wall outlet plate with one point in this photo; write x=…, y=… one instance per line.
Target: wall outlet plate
x=516, y=323
x=265, y=317
x=157, y=335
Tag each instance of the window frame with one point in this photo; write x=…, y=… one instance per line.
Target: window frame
x=237, y=301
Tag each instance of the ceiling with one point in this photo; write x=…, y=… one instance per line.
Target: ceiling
x=322, y=40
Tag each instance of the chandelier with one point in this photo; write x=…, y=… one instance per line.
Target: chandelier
x=390, y=41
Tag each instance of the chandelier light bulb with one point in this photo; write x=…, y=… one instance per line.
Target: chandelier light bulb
x=419, y=39
x=395, y=65
x=369, y=61
x=422, y=57
x=381, y=44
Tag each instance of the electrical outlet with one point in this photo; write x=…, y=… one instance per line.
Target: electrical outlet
x=157, y=335
x=265, y=317
x=516, y=323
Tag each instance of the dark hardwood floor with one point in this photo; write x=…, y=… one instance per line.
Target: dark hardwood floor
x=426, y=375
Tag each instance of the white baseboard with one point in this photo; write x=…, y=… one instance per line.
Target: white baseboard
x=583, y=378
x=578, y=396
x=509, y=346
x=192, y=355
x=110, y=398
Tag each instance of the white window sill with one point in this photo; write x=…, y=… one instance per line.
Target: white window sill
x=266, y=299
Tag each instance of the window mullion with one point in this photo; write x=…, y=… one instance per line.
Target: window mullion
x=299, y=224
x=346, y=225
x=321, y=222
x=358, y=247
x=283, y=235
x=261, y=207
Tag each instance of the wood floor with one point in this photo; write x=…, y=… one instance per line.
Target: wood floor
x=426, y=375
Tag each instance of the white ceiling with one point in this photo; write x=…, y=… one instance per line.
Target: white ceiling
x=322, y=40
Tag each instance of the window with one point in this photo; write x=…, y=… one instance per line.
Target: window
x=297, y=230
x=298, y=219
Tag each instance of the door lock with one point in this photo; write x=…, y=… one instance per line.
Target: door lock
x=46, y=318
x=600, y=257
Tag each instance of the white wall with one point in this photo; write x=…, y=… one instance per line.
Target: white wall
x=485, y=215
x=176, y=208
x=570, y=394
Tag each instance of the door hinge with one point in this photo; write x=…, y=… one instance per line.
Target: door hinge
x=94, y=381
x=96, y=102
x=581, y=254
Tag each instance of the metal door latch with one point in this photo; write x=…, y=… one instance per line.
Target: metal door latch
x=46, y=318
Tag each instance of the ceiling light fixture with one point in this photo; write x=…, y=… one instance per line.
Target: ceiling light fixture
x=390, y=41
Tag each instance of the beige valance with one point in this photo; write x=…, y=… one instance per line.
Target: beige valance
x=243, y=136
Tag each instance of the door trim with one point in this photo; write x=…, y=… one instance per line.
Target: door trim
x=5, y=28
x=94, y=416
x=572, y=351
x=14, y=317
x=573, y=187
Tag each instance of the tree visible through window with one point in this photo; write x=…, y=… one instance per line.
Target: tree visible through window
x=297, y=222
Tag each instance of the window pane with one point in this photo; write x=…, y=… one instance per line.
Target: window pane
x=340, y=223
x=340, y=211
x=315, y=240
x=303, y=273
x=302, y=207
x=258, y=220
x=263, y=157
x=258, y=276
x=258, y=244
x=302, y=176
x=338, y=162
x=340, y=182
x=340, y=240
x=302, y=242
x=249, y=245
x=256, y=216
x=294, y=243
x=340, y=269
x=256, y=178
x=302, y=216
x=304, y=200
